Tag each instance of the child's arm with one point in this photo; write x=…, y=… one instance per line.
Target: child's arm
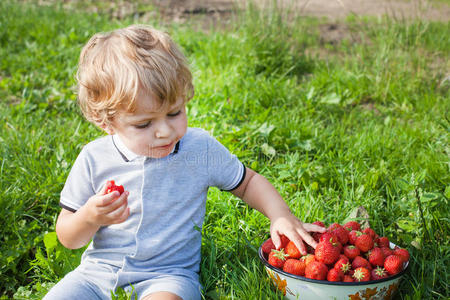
x=76, y=229
x=260, y=194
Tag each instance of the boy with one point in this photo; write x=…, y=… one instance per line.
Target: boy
x=134, y=83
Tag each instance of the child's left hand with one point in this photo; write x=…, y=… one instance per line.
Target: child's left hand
x=295, y=230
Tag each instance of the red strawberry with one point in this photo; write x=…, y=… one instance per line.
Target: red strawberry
x=342, y=264
x=310, y=249
x=111, y=187
x=342, y=235
x=294, y=266
x=284, y=241
x=316, y=270
x=360, y=261
x=267, y=246
x=333, y=226
x=319, y=223
x=316, y=236
x=277, y=258
x=292, y=251
x=393, y=264
x=335, y=275
x=351, y=251
x=352, y=225
x=361, y=274
x=402, y=253
x=327, y=252
x=353, y=235
x=308, y=258
x=329, y=236
x=379, y=273
x=387, y=251
x=370, y=232
x=376, y=257
x=347, y=278
x=383, y=242
x=364, y=242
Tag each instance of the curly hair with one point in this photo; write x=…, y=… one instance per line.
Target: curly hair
x=114, y=65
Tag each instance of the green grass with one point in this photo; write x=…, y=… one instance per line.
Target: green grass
x=362, y=122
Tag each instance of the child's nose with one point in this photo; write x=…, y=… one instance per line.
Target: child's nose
x=162, y=130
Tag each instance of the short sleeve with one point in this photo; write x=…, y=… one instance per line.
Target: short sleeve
x=224, y=169
x=78, y=187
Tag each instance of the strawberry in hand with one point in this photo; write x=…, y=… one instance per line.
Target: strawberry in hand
x=111, y=187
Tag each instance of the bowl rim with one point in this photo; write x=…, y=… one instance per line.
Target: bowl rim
x=326, y=282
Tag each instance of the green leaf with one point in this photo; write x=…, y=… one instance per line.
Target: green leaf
x=268, y=150
x=50, y=241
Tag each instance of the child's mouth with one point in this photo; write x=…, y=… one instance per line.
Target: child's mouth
x=165, y=147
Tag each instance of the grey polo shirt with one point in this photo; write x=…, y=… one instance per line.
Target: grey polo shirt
x=167, y=202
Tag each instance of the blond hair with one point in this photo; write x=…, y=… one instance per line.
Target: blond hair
x=114, y=65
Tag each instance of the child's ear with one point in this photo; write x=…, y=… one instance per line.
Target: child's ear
x=106, y=127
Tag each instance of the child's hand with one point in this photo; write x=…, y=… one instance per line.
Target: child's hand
x=295, y=230
x=106, y=209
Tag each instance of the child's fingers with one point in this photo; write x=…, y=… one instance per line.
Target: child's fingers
x=298, y=242
x=105, y=200
x=307, y=237
x=276, y=240
x=313, y=228
x=116, y=203
x=104, y=188
x=121, y=218
x=118, y=213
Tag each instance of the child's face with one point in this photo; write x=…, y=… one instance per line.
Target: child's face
x=150, y=131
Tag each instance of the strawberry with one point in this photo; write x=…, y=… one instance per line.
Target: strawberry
x=319, y=223
x=353, y=235
x=335, y=275
x=327, y=252
x=284, y=241
x=352, y=225
x=316, y=236
x=316, y=270
x=387, y=251
x=342, y=264
x=308, y=258
x=361, y=274
x=383, y=242
x=376, y=257
x=111, y=187
x=360, y=261
x=329, y=236
x=277, y=258
x=292, y=251
x=294, y=266
x=342, y=234
x=333, y=227
x=393, y=264
x=402, y=253
x=364, y=242
x=379, y=273
x=267, y=246
x=351, y=251
x=370, y=232
x=348, y=278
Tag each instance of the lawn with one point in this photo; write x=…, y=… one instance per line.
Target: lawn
x=334, y=125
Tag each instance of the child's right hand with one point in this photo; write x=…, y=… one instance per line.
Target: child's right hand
x=105, y=209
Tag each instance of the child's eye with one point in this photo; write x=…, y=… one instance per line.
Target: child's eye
x=174, y=114
x=140, y=126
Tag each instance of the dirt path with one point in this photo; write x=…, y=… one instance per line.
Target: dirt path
x=437, y=10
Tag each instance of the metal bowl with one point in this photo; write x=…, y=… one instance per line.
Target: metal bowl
x=299, y=287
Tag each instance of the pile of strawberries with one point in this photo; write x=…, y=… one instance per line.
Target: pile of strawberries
x=343, y=253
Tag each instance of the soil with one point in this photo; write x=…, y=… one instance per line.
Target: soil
x=436, y=10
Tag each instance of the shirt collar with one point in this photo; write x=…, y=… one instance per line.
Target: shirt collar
x=129, y=155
